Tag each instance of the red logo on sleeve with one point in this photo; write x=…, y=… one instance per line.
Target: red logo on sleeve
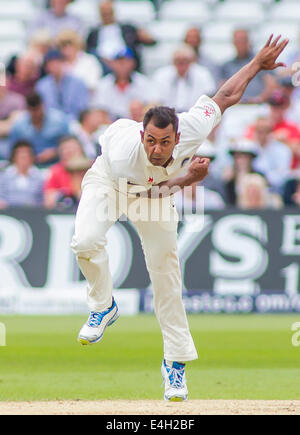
x=150, y=180
x=209, y=111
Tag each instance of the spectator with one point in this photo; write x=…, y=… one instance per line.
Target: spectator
x=118, y=89
x=11, y=106
x=56, y=19
x=91, y=123
x=283, y=130
x=38, y=46
x=181, y=84
x=61, y=90
x=21, y=183
x=109, y=38
x=213, y=182
x=79, y=64
x=243, y=153
x=58, y=183
x=23, y=74
x=194, y=39
x=291, y=193
x=43, y=129
x=137, y=110
x=253, y=194
x=263, y=84
x=76, y=169
x=274, y=158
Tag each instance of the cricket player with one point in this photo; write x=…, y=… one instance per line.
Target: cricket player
x=137, y=160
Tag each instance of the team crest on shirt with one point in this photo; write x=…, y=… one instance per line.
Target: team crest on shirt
x=184, y=162
x=150, y=180
x=208, y=111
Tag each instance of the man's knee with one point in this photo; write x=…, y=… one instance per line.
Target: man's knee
x=85, y=245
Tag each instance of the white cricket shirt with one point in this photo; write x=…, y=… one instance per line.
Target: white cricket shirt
x=124, y=155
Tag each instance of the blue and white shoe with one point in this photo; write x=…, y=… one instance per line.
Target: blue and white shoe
x=93, y=330
x=175, y=382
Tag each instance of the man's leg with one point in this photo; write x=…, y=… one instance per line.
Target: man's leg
x=159, y=241
x=88, y=243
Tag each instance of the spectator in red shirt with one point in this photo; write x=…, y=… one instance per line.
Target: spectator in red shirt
x=282, y=129
x=58, y=182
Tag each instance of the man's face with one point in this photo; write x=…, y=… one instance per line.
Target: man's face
x=182, y=64
x=241, y=43
x=123, y=67
x=159, y=143
x=59, y=6
x=55, y=67
x=107, y=13
x=36, y=113
x=263, y=129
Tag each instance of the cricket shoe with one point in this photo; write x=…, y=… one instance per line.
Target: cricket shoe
x=175, y=382
x=93, y=330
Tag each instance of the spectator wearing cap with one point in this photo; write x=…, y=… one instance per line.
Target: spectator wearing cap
x=118, y=89
x=263, y=84
x=181, y=83
x=110, y=37
x=79, y=63
x=42, y=128
x=58, y=183
x=273, y=158
x=61, y=90
x=193, y=38
x=21, y=183
x=243, y=153
x=56, y=19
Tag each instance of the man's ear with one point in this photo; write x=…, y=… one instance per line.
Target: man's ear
x=178, y=138
x=142, y=136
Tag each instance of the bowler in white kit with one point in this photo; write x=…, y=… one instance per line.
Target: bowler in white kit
x=140, y=168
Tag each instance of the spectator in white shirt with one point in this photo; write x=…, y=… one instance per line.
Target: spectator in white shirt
x=181, y=83
x=80, y=64
x=118, y=89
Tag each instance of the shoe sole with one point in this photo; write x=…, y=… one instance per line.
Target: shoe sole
x=85, y=342
x=175, y=399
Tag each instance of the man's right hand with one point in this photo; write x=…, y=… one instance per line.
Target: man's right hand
x=198, y=169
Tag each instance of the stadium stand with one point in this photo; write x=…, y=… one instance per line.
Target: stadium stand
x=167, y=21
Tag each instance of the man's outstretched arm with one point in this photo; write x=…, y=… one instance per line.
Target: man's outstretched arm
x=233, y=89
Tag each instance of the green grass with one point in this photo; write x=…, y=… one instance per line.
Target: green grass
x=240, y=357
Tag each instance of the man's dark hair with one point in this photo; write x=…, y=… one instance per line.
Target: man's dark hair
x=21, y=144
x=83, y=115
x=161, y=116
x=34, y=100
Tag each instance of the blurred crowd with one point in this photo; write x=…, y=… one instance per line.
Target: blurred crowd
x=71, y=83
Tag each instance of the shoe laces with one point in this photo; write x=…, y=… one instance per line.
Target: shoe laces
x=175, y=376
x=94, y=319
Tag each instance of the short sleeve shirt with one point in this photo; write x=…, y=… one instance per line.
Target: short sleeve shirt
x=125, y=157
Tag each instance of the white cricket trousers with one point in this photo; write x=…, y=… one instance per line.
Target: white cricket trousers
x=100, y=206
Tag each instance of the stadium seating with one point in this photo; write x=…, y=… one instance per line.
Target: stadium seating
x=135, y=12
x=86, y=10
x=165, y=31
x=237, y=12
x=196, y=12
